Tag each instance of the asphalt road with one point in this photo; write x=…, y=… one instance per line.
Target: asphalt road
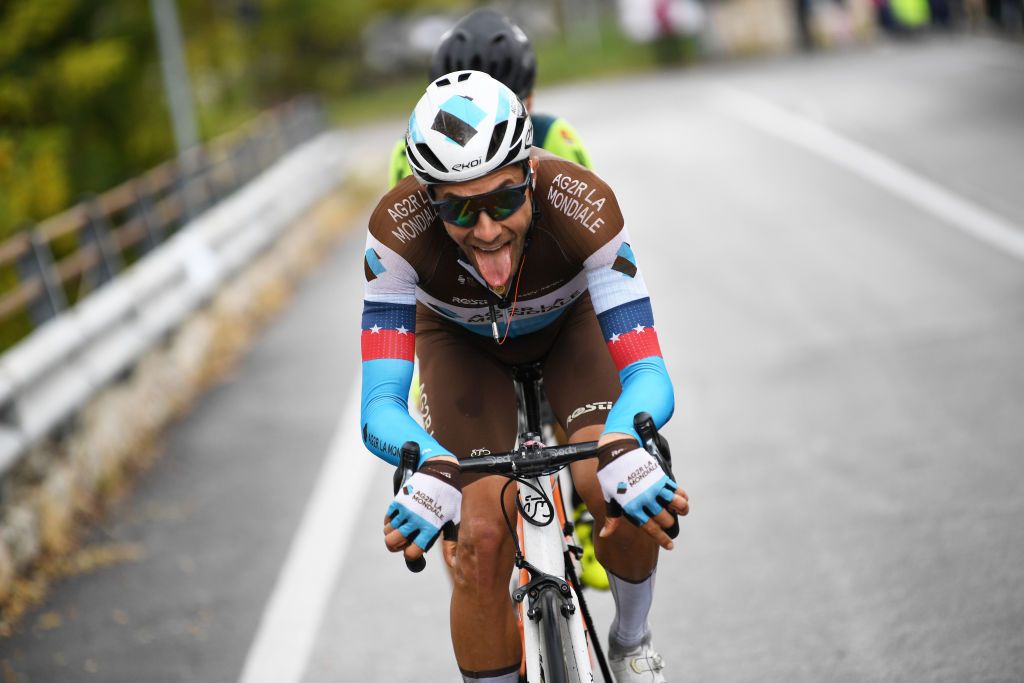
x=848, y=353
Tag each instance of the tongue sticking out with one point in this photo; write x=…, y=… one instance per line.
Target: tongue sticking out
x=495, y=266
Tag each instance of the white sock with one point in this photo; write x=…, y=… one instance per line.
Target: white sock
x=633, y=602
x=506, y=675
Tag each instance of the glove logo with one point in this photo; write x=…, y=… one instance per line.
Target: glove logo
x=637, y=475
x=428, y=504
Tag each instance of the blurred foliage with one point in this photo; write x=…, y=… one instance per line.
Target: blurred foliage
x=75, y=112
x=82, y=104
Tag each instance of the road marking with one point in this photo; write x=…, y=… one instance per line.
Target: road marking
x=872, y=166
x=292, y=616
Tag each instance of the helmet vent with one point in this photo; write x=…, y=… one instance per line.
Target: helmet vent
x=496, y=137
x=512, y=153
x=442, y=82
x=428, y=154
x=463, y=77
x=520, y=124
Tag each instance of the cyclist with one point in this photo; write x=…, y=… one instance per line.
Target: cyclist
x=488, y=41
x=498, y=254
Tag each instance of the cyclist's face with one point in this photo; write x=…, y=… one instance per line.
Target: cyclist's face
x=493, y=246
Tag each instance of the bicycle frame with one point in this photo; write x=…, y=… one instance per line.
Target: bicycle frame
x=543, y=569
x=543, y=539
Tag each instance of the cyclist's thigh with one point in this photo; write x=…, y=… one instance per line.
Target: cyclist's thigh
x=580, y=379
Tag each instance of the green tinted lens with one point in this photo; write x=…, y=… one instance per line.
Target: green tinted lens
x=504, y=203
x=500, y=213
x=464, y=213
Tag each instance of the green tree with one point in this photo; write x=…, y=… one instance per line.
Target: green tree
x=77, y=105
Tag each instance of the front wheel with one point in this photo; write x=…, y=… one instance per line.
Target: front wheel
x=557, y=659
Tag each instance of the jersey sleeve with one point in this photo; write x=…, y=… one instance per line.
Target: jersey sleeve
x=624, y=312
x=388, y=342
x=562, y=139
x=398, y=167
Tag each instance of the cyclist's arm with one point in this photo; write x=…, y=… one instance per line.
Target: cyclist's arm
x=562, y=139
x=399, y=165
x=388, y=343
x=624, y=312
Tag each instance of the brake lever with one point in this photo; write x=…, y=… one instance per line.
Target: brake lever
x=643, y=423
x=407, y=464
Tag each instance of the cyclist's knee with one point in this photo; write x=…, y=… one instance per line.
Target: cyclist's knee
x=484, y=555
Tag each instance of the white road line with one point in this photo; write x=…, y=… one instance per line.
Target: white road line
x=292, y=616
x=872, y=166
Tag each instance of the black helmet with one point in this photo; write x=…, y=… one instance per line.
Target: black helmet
x=488, y=41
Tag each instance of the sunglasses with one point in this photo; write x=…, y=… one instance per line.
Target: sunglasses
x=499, y=204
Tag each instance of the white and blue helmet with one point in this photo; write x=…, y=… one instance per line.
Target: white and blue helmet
x=466, y=125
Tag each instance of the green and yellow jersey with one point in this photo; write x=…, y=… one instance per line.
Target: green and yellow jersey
x=552, y=133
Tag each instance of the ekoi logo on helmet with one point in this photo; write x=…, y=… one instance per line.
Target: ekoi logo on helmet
x=469, y=164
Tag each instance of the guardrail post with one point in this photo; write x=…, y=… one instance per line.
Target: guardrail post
x=97, y=232
x=37, y=262
x=247, y=159
x=144, y=210
x=207, y=179
x=186, y=170
x=225, y=166
x=181, y=189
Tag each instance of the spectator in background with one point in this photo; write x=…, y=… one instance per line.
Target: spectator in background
x=665, y=24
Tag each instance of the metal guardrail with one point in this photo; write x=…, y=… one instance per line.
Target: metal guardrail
x=253, y=192
x=66, y=257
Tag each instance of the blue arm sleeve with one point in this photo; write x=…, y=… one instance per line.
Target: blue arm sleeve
x=384, y=412
x=647, y=387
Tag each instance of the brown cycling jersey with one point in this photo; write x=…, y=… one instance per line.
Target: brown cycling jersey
x=578, y=215
x=578, y=245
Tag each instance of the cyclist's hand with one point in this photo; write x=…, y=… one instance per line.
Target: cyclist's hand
x=635, y=486
x=428, y=500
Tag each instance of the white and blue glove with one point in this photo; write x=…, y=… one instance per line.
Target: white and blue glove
x=633, y=482
x=429, y=499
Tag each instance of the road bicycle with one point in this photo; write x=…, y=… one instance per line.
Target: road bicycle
x=558, y=635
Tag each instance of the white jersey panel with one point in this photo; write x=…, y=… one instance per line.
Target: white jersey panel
x=390, y=277
x=613, y=276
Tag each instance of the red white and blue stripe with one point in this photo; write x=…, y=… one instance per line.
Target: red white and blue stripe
x=629, y=332
x=389, y=331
